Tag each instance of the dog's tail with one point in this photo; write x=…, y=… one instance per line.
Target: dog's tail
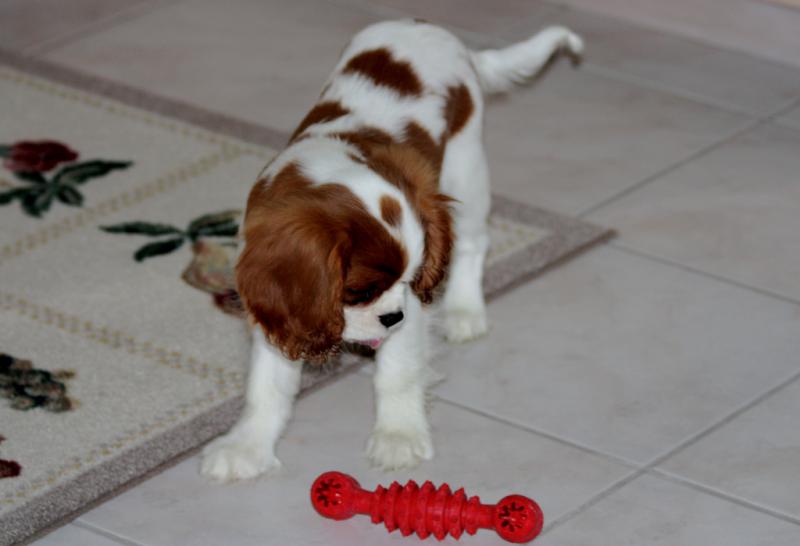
x=500, y=69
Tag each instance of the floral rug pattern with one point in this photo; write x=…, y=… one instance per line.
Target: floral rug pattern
x=30, y=161
x=213, y=247
x=9, y=469
x=28, y=387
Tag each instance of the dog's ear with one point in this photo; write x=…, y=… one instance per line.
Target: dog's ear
x=403, y=165
x=290, y=277
x=437, y=222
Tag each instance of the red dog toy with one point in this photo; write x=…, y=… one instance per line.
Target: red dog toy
x=426, y=510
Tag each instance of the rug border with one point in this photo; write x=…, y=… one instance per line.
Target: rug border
x=138, y=98
x=69, y=500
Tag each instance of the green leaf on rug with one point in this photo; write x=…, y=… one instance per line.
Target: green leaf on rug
x=215, y=224
x=70, y=196
x=31, y=176
x=150, y=229
x=158, y=248
x=218, y=224
x=8, y=196
x=82, y=172
x=229, y=229
x=37, y=200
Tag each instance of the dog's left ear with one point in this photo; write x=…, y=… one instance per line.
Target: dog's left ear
x=434, y=212
x=404, y=166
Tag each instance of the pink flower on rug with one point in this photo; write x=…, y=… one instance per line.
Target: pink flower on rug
x=41, y=156
x=9, y=469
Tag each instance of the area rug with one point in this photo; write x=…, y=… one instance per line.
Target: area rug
x=121, y=344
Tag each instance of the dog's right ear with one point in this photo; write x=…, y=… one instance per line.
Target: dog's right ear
x=411, y=171
x=290, y=275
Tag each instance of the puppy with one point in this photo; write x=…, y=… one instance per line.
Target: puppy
x=381, y=194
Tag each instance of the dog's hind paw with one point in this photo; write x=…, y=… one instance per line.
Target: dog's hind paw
x=463, y=325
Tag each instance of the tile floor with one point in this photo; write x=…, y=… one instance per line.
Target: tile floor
x=645, y=393
x=765, y=27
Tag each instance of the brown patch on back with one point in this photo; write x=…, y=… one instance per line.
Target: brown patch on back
x=421, y=140
x=308, y=249
x=379, y=66
x=321, y=113
x=391, y=211
x=458, y=108
x=366, y=138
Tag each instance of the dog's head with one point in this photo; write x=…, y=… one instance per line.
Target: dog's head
x=318, y=268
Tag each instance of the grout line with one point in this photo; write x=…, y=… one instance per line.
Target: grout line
x=594, y=499
x=116, y=18
x=539, y=432
x=105, y=533
x=746, y=128
x=689, y=269
x=606, y=72
x=788, y=124
x=636, y=468
x=647, y=26
x=650, y=467
x=735, y=499
x=693, y=438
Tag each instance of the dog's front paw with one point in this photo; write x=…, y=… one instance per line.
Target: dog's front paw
x=463, y=325
x=393, y=449
x=231, y=458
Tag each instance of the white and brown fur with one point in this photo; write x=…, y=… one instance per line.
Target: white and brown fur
x=381, y=195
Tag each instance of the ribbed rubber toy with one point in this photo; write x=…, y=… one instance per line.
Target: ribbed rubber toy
x=426, y=510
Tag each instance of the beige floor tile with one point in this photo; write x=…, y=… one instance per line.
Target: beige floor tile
x=653, y=512
x=473, y=15
x=756, y=456
x=33, y=23
x=264, y=61
x=759, y=27
x=574, y=139
x=328, y=432
x=623, y=354
x=792, y=118
x=733, y=213
x=689, y=68
x=589, y=137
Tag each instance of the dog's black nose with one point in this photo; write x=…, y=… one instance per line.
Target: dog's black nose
x=390, y=319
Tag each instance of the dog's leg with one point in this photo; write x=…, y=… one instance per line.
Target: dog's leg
x=465, y=176
x=402, y=437
x=464, y=306
x=249, y=448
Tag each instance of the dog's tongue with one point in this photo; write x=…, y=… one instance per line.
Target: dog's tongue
x=374, y=343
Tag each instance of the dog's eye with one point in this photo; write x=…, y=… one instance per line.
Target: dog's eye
x=353, y=296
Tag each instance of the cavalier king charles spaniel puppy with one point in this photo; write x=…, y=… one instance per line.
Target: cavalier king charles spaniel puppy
x=377, y=206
